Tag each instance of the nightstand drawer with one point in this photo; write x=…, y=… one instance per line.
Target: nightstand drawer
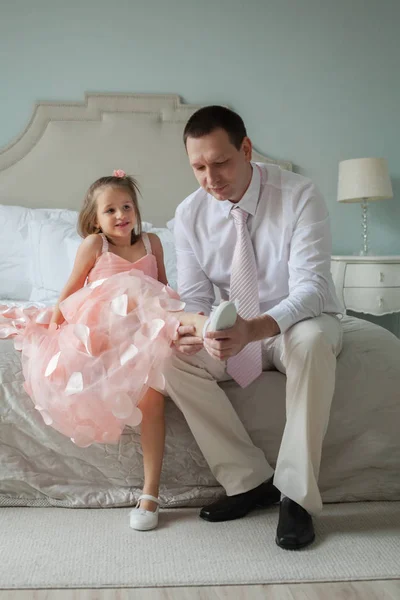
x=370, y=275
x=372, y=300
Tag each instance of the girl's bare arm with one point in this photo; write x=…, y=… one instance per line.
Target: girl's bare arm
x=86, y=256
x=158, y=252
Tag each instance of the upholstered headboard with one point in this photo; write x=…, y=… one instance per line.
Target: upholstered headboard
x=66, y=146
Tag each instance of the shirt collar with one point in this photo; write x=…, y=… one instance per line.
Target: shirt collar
x=249, y=200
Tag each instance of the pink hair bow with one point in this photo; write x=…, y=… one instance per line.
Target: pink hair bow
x=119, y=173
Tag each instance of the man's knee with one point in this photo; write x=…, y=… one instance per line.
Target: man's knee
x=183, y=370
x=306, y=338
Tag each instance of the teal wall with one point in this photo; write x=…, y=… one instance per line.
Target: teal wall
x=317, y=81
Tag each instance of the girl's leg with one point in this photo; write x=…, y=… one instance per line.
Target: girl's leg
x=153, y=437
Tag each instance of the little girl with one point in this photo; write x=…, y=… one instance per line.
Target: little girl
x=90, y=360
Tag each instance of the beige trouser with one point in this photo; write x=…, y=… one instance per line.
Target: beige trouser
x=306, y=353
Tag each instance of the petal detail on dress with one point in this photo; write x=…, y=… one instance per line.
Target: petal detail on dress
x=96, y=283
x=75, y=384
x=44, y=316
x=155, y=327
x=136, y=417
x=84, y=436
x=46, y=417
x=129, y=353
x=7, y=332
x=82, y=332
x=120, y=305
x=156, y=380
x=122, y=406
x=171, y=304
x=52, y=364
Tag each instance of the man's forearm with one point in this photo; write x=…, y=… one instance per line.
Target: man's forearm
x=262, y=327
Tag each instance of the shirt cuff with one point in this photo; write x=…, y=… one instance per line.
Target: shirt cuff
x=281, y=315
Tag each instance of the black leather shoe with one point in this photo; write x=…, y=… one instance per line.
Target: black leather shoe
x=295, y=527
x=235, y=507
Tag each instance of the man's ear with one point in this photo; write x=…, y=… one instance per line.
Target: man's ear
x=247, y=148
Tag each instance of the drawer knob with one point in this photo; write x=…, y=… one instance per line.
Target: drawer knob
x=381, y=277
x=380, y=302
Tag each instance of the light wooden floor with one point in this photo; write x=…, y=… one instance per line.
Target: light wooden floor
x=356, y=590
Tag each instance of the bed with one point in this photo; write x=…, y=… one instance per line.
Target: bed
x=43, y=176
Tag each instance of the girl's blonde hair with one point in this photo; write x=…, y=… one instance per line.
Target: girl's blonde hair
x=88, y=214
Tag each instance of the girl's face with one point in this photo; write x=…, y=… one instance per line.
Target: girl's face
x=116, y=215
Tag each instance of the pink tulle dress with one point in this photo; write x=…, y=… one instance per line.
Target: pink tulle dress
x=87, y=377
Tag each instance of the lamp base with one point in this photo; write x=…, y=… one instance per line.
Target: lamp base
x=364, y=224
x=365, y=253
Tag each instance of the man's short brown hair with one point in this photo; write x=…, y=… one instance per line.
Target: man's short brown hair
x=208, y=119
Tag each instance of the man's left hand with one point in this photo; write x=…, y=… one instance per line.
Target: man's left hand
x=221, y=345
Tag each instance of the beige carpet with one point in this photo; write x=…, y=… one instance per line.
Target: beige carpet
x=55, y=548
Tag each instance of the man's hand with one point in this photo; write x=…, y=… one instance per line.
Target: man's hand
x=187, y=342
x=221, y=345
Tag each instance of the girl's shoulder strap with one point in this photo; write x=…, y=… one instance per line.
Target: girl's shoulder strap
x=105, y=243
x=147, y=243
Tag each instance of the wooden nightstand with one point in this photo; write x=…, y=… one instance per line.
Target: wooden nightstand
x=368, y=284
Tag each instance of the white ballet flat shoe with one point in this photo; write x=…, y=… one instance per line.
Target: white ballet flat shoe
x=223, y=317
x=141, y=519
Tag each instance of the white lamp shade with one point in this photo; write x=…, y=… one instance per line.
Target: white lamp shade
x=364, y=178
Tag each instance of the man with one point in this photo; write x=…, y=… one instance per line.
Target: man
x=261, y=235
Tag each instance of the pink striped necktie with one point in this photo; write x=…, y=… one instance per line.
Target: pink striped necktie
x=246, y=366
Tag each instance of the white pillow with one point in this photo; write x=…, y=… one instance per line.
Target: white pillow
x=72, y=244
x=50, y=260
x=15, y=254
x=168, y=244
x=146, y=226
x=15, y=282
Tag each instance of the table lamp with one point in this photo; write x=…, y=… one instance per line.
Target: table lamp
x=364, y=180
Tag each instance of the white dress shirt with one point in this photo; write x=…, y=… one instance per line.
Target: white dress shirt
x=289, y=228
